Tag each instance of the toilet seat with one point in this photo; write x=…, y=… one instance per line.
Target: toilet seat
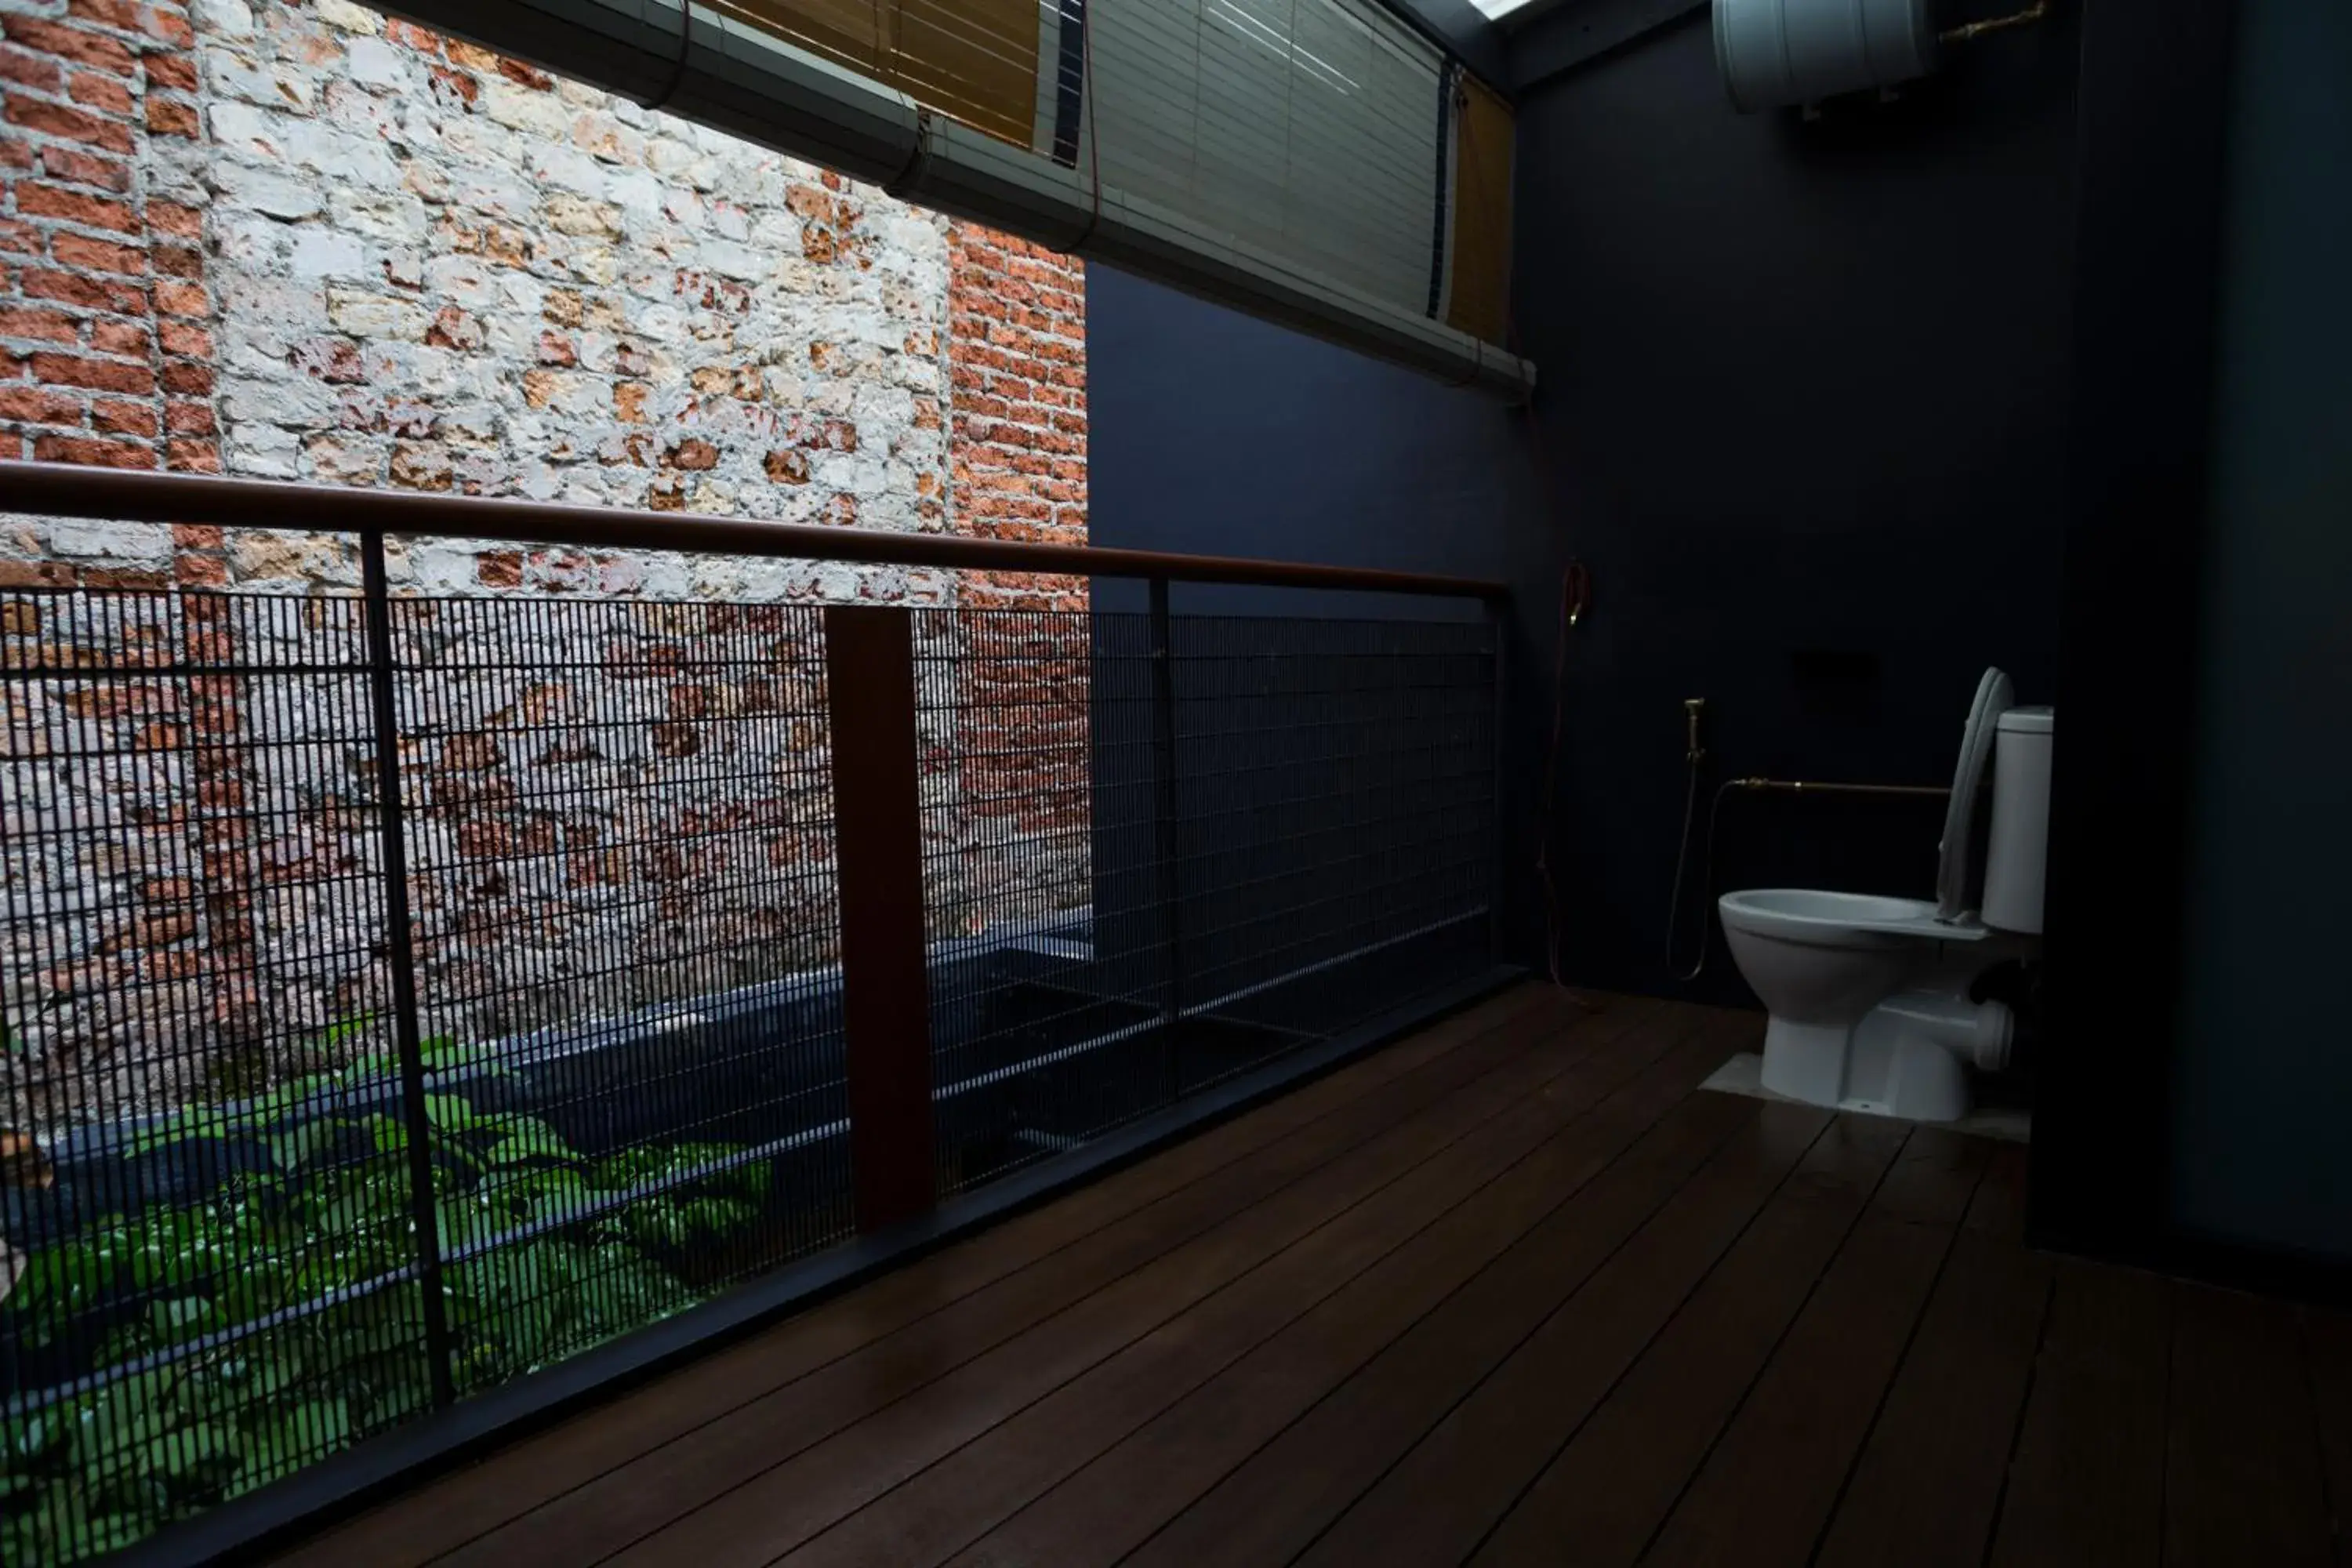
x=1823, y=919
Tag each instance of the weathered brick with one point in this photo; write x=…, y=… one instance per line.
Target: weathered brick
x=91, y=452
x=46, y=326
x=183, y=300
x=124, y=16
x=174, y=73
x=121, y=338
x=63, y=119
x=172, y=117
x=37, y=575
x=104, y=376
x=188, y=380
x=38, y=406
x=171, y=217
x=74, y=45
x=84, y=254
x=80, y=168
x=200, y=571
x=104, y=93
x=185, y=338
x=193, y=455
x=24, y=68
x=115, y=417
x=89, y=293
x=35, y=198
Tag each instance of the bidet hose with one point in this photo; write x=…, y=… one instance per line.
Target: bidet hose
x=1706, y=876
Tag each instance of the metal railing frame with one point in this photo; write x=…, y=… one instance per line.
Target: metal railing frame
x=867, y=652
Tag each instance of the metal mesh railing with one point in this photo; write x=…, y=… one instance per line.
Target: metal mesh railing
x=623, y=1063
x=1150, y=873
x=406, y=993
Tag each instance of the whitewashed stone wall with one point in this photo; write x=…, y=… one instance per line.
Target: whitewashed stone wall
x=393, y=260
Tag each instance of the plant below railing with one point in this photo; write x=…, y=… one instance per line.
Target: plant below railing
x=280, y=1317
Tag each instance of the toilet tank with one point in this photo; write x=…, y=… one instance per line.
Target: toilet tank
x=2019, y=845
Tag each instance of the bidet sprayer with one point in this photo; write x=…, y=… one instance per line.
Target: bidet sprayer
x=1693, y=709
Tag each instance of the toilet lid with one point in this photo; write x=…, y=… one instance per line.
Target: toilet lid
x=1953, y=890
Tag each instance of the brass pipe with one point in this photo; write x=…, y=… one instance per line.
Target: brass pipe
x=1966, y=31
x=1814, y=787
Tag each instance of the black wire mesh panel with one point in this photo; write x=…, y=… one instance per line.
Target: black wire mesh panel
x=1285, y=826
x=1035, y=1040
x=629, y=1047
x=1335, y=823
x=620, y=836
x=206, y=1209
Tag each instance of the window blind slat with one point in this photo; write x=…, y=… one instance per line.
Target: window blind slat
x=1280, y=155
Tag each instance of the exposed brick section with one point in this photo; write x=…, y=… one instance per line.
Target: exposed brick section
x=1017, y=446
x=86, y=192
x=1017, y=369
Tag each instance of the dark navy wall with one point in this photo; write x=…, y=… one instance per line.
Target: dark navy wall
x=1215, y=433
x=1804, y=408
x=2263, y=1075
x=1802, y=411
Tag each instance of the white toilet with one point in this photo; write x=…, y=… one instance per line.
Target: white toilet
x=1869, y=996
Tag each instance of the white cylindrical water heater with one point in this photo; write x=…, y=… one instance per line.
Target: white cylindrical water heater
x=1776, y=53
x=2018, y=849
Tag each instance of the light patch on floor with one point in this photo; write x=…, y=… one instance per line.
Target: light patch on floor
x=1743, y=1074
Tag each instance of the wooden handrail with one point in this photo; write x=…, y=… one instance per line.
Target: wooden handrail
x=129, y=496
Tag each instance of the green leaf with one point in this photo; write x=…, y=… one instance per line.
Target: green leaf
x=530, y=1143
x=443, y=1052
x=448, y=1114
x=180, y=1319
x=348, y=1030
x=301, y=1144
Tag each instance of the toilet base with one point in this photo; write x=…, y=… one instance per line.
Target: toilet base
x=1908, y=1057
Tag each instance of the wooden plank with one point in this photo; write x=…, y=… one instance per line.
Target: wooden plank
x=1099, y=1228
x=870, y=660
x=1276, y=1504
x=1470, y=1203
x=1926, y=1488
x=1190, y=1244
x=1765, y=1491
x=2242, y=1477
x=2327, y=1348
x=1607, y=1411
x=782, y=1504
x=2087, y=1481
x=1120, y=1500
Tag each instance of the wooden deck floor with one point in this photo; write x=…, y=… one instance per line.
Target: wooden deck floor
x=1509, y=1292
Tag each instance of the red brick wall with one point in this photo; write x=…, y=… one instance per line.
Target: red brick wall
x=1017, y=368
x=105, y=355
x=1017, y=457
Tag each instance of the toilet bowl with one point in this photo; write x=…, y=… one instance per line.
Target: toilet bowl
x=1868, y=996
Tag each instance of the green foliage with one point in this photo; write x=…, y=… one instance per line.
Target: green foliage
x=191, y=1418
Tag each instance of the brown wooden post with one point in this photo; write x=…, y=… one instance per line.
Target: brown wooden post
x=878, y=854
